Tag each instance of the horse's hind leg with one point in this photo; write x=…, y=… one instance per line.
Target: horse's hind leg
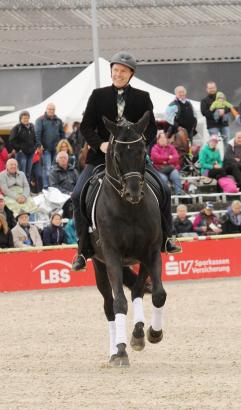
x=138, y=335
x=104, y=287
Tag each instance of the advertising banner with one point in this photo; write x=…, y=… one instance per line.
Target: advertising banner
x=44, y=269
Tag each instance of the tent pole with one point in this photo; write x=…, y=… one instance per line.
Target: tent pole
x=95, y=43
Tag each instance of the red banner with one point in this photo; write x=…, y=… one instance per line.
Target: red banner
x=44, y=269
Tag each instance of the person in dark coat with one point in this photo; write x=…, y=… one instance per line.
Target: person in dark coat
x=115, y=102
x=23, y=141
x=231, y=221
x=232, y=158
x=64, y=177
x=182, y=225
x=7, y=213
x=54, y=233
x=6, y=237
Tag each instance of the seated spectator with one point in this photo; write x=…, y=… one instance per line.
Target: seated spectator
x=3, y=155
x=79, y=146
x=64, y=145
x=7, y=213
x=64, y=177
x=206, y=222
x=54, y=233
x=15, y=187
x=6, y=238
x=165, y=159
x=23, y=141
x=231, y=222
x=182, y=225
x=25, y=234
x=232, y=158
x=210, y=159
x=70, y=234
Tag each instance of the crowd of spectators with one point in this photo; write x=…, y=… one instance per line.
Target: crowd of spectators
x=43, y=155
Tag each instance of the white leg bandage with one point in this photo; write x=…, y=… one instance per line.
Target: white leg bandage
x=138, y=312
x=120, y=325
x=112, y=335
x=157, y=318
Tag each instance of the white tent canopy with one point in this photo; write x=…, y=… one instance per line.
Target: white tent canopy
x=71, y=99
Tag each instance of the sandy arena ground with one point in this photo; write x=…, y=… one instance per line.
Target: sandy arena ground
x=54, y=344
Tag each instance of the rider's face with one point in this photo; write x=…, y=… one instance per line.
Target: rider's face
x=120, y=75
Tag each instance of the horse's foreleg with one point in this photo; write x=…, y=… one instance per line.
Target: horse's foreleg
x=115, y=274
x=138, y=336
x=155, y=333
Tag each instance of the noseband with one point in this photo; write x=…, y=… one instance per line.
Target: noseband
x=123, y=178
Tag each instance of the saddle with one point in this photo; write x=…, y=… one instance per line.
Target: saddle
x=92, y=188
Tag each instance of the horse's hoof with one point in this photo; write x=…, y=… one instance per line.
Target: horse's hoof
x=121, y=361
x=154, y=336
x=112, y=360
x=137, y=344
x=138, y=337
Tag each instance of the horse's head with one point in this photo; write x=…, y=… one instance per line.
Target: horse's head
x=126, y=157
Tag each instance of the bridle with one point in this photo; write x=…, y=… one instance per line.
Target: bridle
x=122, y=178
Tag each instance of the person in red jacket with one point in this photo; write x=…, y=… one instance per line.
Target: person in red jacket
x=3, y=155
x=165, y=159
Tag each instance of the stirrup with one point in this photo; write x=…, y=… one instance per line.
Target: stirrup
x=178, y=247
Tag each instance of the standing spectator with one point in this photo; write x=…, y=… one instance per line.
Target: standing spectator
x=221, y=109
x=232, y=158
x=49, y=131
x=165, y=159
x=206, y=103
x=15, y=188
x=217, y=122
x=64, y=177
x=6, y=238
x=3, y=155
x=25, y=234
x=210, y=159
x=181, y=114
x=7, y=213
x=54, y=233
x=64, y=145
x=206, y=223
x=182, y=224
x=231, y=222
x=23, y=141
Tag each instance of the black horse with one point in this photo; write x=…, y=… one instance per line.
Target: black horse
x=129, y=230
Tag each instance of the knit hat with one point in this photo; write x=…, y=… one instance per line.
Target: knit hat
x=209, y=205
x=57, y=212
x=22, y=212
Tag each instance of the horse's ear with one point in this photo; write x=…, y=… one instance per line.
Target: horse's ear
x=143, y=123
x=110, y=125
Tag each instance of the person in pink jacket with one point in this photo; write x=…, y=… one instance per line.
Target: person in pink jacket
x=165, y=159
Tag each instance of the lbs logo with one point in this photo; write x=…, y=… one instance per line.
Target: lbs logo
x=178, y=268
x=54, y=271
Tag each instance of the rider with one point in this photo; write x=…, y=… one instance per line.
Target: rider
x=114, y=102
